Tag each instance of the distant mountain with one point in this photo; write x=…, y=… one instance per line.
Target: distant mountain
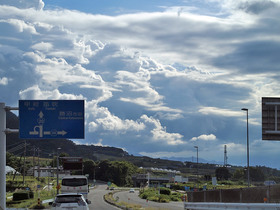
x=192, y=159
x=49, y=146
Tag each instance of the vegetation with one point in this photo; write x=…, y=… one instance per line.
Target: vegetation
x=26, y=195
x=118, y=172
x=163, y=195
x=115, y=165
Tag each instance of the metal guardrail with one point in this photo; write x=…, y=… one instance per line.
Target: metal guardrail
x=231, y=206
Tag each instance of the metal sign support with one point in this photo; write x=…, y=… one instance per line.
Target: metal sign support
x=3, y=132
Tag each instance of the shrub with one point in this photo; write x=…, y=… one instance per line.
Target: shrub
x=21, y=195
x=154, y=198
x=177, y=187
x=146, y=194
x=38, y=207
x=164, y=199
x=175, y=198
x=165, y=191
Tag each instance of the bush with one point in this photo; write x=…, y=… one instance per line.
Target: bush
x=154, y=198
x=165, y=191
x=146, y=194
x=164, y=199
x=176, y=196
x=177, y=187
x=38, y=207
x=22, y=195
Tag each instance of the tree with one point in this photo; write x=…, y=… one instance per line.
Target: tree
x=89, y=166
x=222, y=173
x=118, y=172
x=239, y=174
x=256, y=174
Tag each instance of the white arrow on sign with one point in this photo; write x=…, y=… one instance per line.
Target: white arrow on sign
x=41, y=115
x=54, y=133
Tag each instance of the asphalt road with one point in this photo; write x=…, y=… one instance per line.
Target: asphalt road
x=134, y=198
x=96, y=197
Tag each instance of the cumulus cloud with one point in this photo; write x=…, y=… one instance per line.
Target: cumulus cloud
x=36, y=93
x=36, y=4
x=204, y=137
x=4, y=81
x=150, y=83
x=160, y=134
x=221, y=112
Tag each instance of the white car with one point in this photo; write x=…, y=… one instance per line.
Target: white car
x=70, y=201
x=131, y=190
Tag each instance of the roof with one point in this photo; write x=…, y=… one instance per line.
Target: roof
x=9, y=169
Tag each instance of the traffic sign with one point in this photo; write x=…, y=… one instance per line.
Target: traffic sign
x=270, y=118
x=48, y=119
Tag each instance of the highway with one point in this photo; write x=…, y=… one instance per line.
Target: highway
x=96, y=197
x=97, y=201
x=134, y=198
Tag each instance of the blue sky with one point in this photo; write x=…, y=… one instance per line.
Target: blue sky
x=110, y=7
x=158, y=77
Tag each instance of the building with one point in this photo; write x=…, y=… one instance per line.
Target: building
x=47, y=172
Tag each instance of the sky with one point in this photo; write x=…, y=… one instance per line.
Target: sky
x=157, y=77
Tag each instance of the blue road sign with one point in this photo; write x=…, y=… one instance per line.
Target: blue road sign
x=51, y=119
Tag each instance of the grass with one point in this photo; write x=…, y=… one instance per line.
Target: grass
x=129, y=205
x=31, y=183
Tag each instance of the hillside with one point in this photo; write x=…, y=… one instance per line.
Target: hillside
x=48, y=147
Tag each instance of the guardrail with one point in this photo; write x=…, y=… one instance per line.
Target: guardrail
x=231, y=206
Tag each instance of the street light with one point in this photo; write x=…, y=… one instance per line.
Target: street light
x=196, y=162
x=57, y=168
x=248, y=171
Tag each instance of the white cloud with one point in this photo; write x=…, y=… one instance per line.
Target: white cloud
x=204, y=137
x=43, y=46
x=150, y=83
x=159, y=133
x=35, y=93
x=36, y=4
x=4, y=81
x=221, y=112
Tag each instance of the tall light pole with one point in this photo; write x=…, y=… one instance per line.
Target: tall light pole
x=196, y=162
x=248, y=170
x=57, y=171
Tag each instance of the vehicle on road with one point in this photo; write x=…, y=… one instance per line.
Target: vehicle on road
x=131, y=190
x=75, y=184
x=69, y=201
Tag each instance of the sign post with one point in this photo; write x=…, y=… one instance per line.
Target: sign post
x=2, y=156
x=3, y=131
x=40, y=119
x=45, y=119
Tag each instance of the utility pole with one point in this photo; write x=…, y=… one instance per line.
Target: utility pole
x=38, y=163
x=3, y=132
x=34, y=149
x=23, y=180
x=2, y=156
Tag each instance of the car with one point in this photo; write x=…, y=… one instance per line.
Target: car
x=70, y=201
x=131, y=190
